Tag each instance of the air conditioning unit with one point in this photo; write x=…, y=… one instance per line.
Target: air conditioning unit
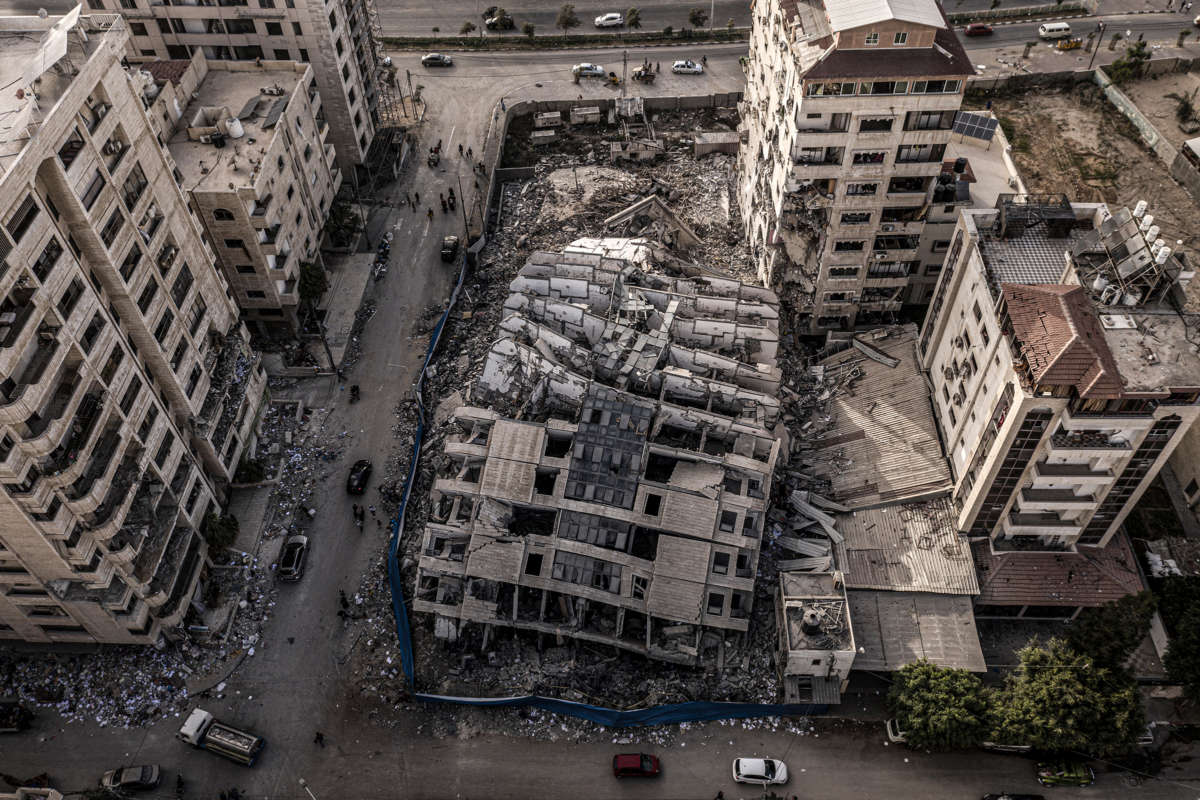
x=887, y=228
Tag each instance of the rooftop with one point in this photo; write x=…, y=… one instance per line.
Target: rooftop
x=844, y=14
x=991, y=172
x=39, y=59
x=1157, y=352
x=946, y=59
x=815, y=611
x=892, y=629
x=883, y=445
x=1090, y=577
x=910, y=547
x=255, y=98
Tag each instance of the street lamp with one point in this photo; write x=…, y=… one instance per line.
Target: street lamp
x=304, y=786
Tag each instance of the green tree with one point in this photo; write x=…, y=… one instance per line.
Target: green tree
x=312, y=283
x=219, y=530
x=1183, y=656
x=529, y=29
x=1059, y=699
x=938, y=708
x=1111, y=632
x=467, y=27
x=697, y=17
x=567, y=18
x=1129, y=66
x=633, y=18
x=730, y=25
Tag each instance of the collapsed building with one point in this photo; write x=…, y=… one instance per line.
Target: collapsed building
x=616, y=490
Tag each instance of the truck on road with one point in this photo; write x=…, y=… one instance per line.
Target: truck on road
x=202, y=730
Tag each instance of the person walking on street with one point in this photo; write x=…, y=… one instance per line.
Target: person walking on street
x=444, y=207
x=460, y=150
x=319, y=738
x=371, y=509
x=417, y=198
x=343, y=599
x=430, y=214
x=658, y=66
x=470, y=154
x=354, y=511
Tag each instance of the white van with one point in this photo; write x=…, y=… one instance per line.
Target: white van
x=1054, y=30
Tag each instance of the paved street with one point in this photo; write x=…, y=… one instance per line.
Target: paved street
x=294, y=684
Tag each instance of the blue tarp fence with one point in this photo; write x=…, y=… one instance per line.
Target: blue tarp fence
x=655, y=715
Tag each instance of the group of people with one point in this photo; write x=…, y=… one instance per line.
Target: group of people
x=449, y=202
x=360, y=515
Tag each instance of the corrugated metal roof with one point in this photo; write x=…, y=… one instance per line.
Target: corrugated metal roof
x=1090, y=577
x=911, y=547
x=892, y=629
x=845, y=14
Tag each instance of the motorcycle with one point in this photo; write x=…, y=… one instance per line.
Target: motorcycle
x=380, y=270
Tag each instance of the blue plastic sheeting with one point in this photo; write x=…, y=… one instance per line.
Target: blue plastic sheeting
x=658, y=715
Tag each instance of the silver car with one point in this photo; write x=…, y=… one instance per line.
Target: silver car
x=131, y=778
x=586, y=70
x=687, y=68
x=610, y=20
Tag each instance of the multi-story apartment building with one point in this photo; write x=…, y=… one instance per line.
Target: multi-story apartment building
x=849, y=107
x=128, y=392
x=1062, y=378
x=628, y=504
x=250, y=143
x=335, y=36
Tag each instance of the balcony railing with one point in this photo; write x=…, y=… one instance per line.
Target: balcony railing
x=1085, y=441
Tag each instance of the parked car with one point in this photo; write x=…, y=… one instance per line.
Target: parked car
x=437, y=60
x=449, y=248
x=978, y=29
x=1012, y=796
x=356, y=482
x=131, y=778
x=687, y=68
x=762, y=771
x=586, y=70
x=500, y=23
x=291, y=559
x=1066, y=772
x=610, y=20
x=636, y=765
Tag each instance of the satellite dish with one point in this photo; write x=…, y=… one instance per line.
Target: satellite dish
x=42, y=13
x=20, y=94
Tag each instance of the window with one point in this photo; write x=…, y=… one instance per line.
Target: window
x=848, y=247
x=93, y=191
x=235, y=244
x=716, y=604
x=339, y=46
x=883, y=87
x=941, y=245
x=46, y=261
x=977, y=311
x=92, y=332
x=245, y=269
x=921, y=153
x=70, y=298
x=900, y=38
x=254, y=294
x=182, y=285
x=266, y=3
x=274, y=29
x=147, y=422
x=164, y=450
x=869, y=157
x=935, y=87
x=134, y=187
x=860, y=189
x=928, y=120
x=843, y=272
x=871, y=39
x=881, y=125
x=728, y=521
x=240, y=26
x=296, y=29
x=1191, y=488
x=178, y=356
x=193, y=381
x=346, y=71
x=333, y=23
x=22, y=218
x=199, y=309
x=352, y=95
x=137, y=28
x=164, y=26
x=281, y=55
x=828, y=90
x=639, y=585
x=164, y=326
x=222, y=215
x=653, y=505
x=303, y=52
x=114, y=361
x=146, y=298
x=70, y=148
x=131, y=394
x=533, y=564
x=720, y=565
x=113, y=227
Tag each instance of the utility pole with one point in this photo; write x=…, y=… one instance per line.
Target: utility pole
x=1099, y=40
x=410, y=91
x=624, y=70
x=462, y=199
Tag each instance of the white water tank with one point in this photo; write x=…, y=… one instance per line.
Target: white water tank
x=1131, y=298
x=1140, y=209
x=1100, y=284
x=1162, y=256
x=1147, y=222
x=1152, y=234
x=234, y=128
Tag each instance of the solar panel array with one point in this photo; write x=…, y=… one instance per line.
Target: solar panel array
x=977, y=126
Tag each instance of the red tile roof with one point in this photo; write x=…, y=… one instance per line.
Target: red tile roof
x=1091, y=577
x=167, y=70
x=1056, y=328
x=948, y=59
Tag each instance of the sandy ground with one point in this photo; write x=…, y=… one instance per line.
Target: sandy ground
x=1152, y=100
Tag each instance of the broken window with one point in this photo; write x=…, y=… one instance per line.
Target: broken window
x=585, y=571
x=856, y=218
x=659, y=468
x=847, y=247
x=875, y=125
x=859, y=189
x=754, y=488
x=531, y=522
x=639, y=587
x=544, y=480
x=653, y=505
x=716, y=603
x=728, y=521
x=869, y=157
x=843, y=272
x=750, y=524
x=742, y=569
x=720, y=565
x=533, y=564
x=733, y=484
x=558, y=446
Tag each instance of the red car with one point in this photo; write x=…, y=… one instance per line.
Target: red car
x=636, y=765
x=978, y=29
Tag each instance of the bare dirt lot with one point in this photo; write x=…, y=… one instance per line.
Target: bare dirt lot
x=1151, y=97
x=1074, y=142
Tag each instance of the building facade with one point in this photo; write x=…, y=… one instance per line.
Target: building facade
x=848, y=111
x=1063, y=378
x=335, y=37
x=129, y=390
x=251, y=142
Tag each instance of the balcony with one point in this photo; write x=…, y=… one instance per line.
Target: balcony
x=1077, y=473
x=102, y=458
x=270, y=234
x=14, y=314
x=1030, y=544
x=118, y=493
x=31, y=368
x=1054, y=499
x=1081, y=443
x=59, y=402
x=1075, y=419
x=82, y=425
x=1038, y=524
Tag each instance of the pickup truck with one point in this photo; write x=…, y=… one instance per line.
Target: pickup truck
x=202, y=730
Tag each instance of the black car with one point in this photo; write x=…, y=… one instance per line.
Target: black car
x=437, y=60
x=131, y=778
x=291, y=560
x=356, y=483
